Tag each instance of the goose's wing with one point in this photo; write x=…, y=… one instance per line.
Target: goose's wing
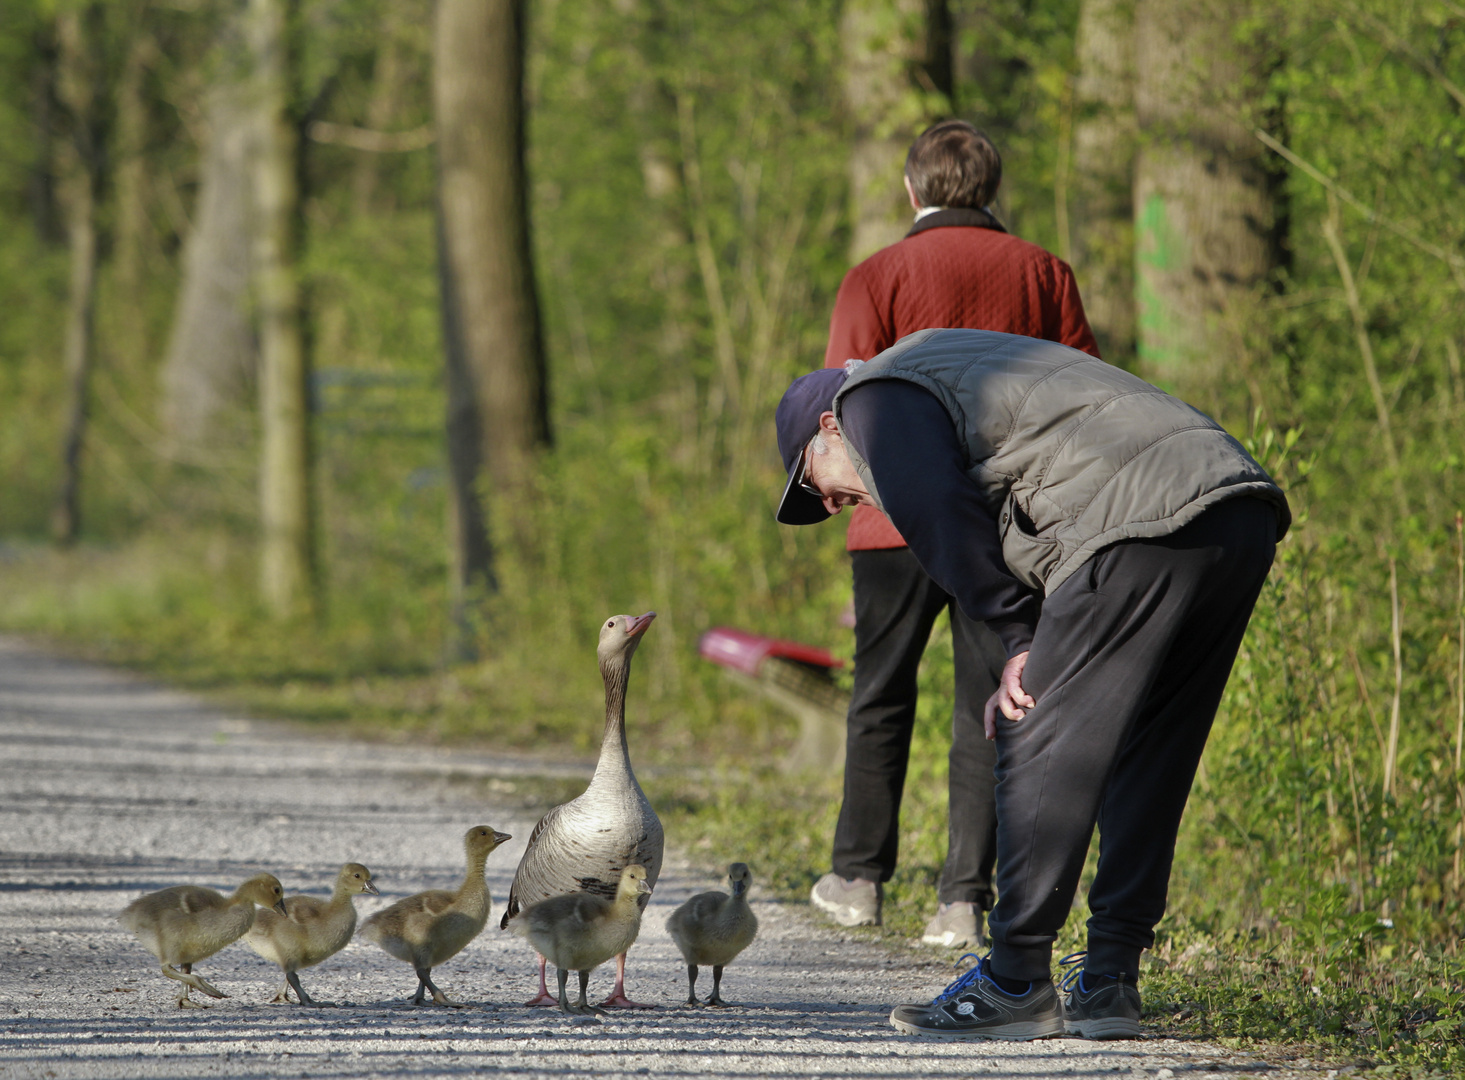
x=651, y=845
x=436, y=902
x=432, y=903
x=301, y=909
x=195, y=900
x=531, y=860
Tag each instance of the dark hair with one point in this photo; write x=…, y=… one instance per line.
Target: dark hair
x=954, y=164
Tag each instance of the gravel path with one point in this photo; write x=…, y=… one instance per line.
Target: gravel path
x=111, y=786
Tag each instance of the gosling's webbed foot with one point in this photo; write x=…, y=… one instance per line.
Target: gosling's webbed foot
x=424, y=982
x=189, y=1003
x=292, y=979
x=715, y=998
x=198, y=982
x=692, y=1002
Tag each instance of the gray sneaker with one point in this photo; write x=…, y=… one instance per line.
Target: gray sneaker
x=849, y=903
x=1104, y=1007
x=957, y=925
x=975, y=1007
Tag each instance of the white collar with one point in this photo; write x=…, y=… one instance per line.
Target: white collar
x=926, y=210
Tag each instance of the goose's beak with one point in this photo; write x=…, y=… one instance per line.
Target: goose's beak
x=501, y=837
x=643, y=887
x=639, y=625
x=370, y=888
x=739, y=886
x=280, y=906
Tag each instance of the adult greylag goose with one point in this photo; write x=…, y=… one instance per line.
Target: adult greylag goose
x=188, y=923
x=580, y=931
x=310, y=930
x=584, y=845
x=427, y=928
x=712, y=928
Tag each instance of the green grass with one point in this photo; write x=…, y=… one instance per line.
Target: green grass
x=1311, y=909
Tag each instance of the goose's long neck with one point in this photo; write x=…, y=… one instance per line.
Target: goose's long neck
x=474, y=885
x=615, y=757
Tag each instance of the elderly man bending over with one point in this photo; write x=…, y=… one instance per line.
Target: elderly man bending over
x=1116, y=540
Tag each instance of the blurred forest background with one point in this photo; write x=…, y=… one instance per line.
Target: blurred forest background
x=359, y=356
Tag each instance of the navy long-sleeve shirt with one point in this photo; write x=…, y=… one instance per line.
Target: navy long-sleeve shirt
x=908, y=440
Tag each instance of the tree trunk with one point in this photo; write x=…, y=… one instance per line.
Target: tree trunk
x=80, y=166
x=1103, y=166
x=497, y=409
x=212, y=351
x=130, y=169
x=898, y=77
x=287, y=565
x=41, y=181
x=1205, y=222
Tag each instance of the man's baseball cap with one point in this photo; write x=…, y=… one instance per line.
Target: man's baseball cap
x=797, y=419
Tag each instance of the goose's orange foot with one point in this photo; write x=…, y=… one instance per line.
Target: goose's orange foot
x=618, y=1000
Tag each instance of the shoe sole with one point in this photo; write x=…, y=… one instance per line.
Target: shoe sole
x=1025, y=1032
x=1108, y=1027
x=841, y=914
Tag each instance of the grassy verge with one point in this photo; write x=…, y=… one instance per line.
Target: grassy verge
x=1350, y=1001
x=1335, y=941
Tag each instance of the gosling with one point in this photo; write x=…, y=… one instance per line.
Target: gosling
x=581, y=931
x=428, y=928
x=188, y=923
x=310, y=931
x=712, y=928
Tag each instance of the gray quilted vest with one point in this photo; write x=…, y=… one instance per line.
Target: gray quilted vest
x=1071, y=454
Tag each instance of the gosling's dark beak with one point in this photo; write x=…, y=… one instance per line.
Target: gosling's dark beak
x=369, y=887
x=739, y=886
x=501, y=837
x=280, y=906
x=639, y=624
x=643, y=887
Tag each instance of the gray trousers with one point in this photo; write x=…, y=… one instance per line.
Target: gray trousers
x=1128, y=664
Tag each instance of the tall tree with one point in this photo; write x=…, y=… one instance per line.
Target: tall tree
x=130, y=165
x=212, y=351
x=1206, y=226
x=80, y=166
x=497, y=386
x=287, y=563
x=1103, y=166
x=897, y=78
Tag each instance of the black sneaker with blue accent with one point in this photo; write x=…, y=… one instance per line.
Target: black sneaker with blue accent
x=1100, y=1006
x=975, y=1007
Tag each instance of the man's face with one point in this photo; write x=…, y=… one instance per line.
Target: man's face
x=832, y=475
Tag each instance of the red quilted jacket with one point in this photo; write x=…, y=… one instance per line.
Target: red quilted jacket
x=950, y=271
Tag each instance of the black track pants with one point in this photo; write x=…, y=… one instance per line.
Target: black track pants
x=1127, y=665
x=895, y=607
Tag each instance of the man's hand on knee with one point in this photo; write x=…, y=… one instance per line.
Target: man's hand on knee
x=1009, y=697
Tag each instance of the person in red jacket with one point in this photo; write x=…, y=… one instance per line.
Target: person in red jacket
x=956, y=268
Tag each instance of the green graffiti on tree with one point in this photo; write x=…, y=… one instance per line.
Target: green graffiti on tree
x=1159, y=248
